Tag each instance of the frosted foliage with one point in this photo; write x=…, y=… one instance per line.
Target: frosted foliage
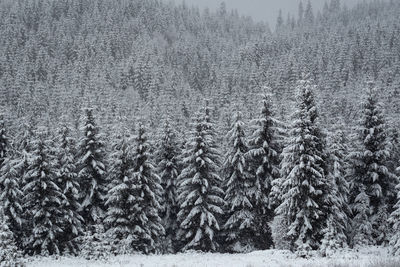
x=200, y=195
x=237, y=186
x=95, y=244
x=92, y=171
x=304, y=182
x=42, y=201
x=145, y=213
x=169, y=166
x=9, y=254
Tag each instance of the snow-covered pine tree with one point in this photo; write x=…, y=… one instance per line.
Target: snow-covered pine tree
x=340, y=214
x=121, y=199
x=67, y=181
x=394, y=221
x=200, y=194
x=42, y=200
x=10, y=256
x=4, y=141
x=11, y=195
x=304, y=185
x=95, y=243
x=147, y=190
x=92, y=171
x=263, y=161
x=362, y=226
x=338, y=167
x=238, y=229
x=338, y=223
x=333, y=240
x=370, y=169
x=168, y=167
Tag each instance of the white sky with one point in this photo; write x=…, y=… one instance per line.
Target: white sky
x=266, y=10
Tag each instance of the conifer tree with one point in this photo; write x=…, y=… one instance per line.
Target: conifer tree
x=92, y=171
x=394, y=221
x=200, y=193
x=340, y=213
x=10, y=256
x=263, y=160
x=96, y=244
x=370, y=170
x=238, y=228
x=338, y=167
x=67, y=181
x=304, y=184
x=334, y=234
x=168, y=157
x=4, y=141
x=147, y=190
x=42, y=200
x=121, y=198
x=11, y=196
x=362, y=226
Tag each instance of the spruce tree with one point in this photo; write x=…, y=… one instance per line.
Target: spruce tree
x=238, y=228
x=334, y=233
x=168, y=158
x=92, y=171
x=147, y=190
x=394, y=221
x=370, y=170
x=337, y=225
x=263, y=159
x=42, y=200
x=121, y=199
x=11, y=196
x=200, y=194
x=362, y=226
x=10, y=256
x=338, y=167
x=95, y=243
x=4, y=141
x=304, y=184
x=67, y=181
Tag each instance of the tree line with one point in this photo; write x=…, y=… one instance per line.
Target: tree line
x=288, y=185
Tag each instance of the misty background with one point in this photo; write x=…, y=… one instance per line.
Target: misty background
x=264, y=10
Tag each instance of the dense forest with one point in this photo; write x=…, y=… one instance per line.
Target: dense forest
x=153, y=127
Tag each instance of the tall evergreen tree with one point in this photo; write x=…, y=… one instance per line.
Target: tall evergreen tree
x=121, y=198
x=338, y=167
x=4, y=141
x=263, y=158
x=338, y=222
x=67, y=181
x=168, y=158
x=11, y=196
x=92, y=171
x=394, y=221
x=362, y=226
x=42, y=200
x=238, y=228
x=305, y=186
x=200, y=193
x=10, y=256
x=147, y=190
x=370, y=170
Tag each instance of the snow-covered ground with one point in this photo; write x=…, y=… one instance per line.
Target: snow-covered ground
x=270, y=258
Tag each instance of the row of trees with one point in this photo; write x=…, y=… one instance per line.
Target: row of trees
x=288, y=186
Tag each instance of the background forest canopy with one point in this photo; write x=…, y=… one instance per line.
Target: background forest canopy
x=132, y=59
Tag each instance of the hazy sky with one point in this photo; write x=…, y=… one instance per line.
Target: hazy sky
x=266, y=10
